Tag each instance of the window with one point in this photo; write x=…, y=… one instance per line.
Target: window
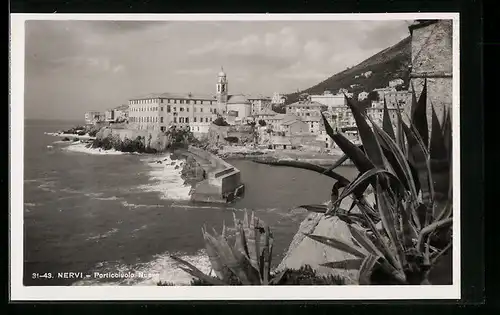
x=187, y=120
x=194, y=119
x=162, y=128
x=181, y=109
x=168, y=108
x=206, y=119
x=175, y=119
x=161, y=108
x=175, y=109
x=201, y=110
x=198, y=128
x=187, y=109
x=161, y=119
x=182, y=101
x=211, y=118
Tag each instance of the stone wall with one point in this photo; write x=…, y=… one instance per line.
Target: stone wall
x=150, y=138
x=433, y=58
x=244, y=133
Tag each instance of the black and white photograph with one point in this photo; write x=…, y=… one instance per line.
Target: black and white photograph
x=173, y=156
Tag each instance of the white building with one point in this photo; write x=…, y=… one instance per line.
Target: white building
x=92, y=117
x=278, y=98
x=362, y=96
x=329, y=99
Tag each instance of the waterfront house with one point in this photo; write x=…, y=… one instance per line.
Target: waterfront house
x=160, y=111
x=93, y=117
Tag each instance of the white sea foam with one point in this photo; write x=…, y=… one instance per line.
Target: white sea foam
x=55, y=134
x=161, y=268
x=104, y=235
x=166, y=178
x=133, y=205
x=82, y=148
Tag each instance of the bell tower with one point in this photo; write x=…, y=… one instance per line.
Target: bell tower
x=222, y=90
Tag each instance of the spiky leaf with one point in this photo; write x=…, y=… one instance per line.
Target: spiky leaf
x=366, y=269
x=419, y=118
x=387, y=123
x=344, y=264
x=370, y=144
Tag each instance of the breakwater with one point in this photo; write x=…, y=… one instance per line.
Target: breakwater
x=223, y=181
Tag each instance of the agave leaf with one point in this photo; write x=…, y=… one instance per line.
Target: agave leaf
x=337, y=163
x=370, y=144
x=387, y=123
x=400, y=133
x=337, y=244
x=380, y=241
x=419, y=117
x=389, y=223
x=435, y=257
x=344, y=264
x=355, y=154
x=439, y=164
x=366, y=269
x=307, y=166
x=430, y=229
x=418, y=159
x=233, y=259
x=245, y=268
x=364, y=241
x=217, y=263
x=364, y=178
x=397, y=159
x=195, y=272
x=267, y=258
x=240, y=240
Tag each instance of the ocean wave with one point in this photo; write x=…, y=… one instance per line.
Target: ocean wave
x=101, y=236
x=133, y=205
x=82, y=148
x=107, y=198
x=161, y=268
x=166, y=177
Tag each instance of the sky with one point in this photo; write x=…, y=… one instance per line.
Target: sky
x=75, y=66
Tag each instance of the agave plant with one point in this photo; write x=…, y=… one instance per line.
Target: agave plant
x=242, y=258
x=410, y=176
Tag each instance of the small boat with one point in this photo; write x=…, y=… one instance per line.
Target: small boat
x=49, y=147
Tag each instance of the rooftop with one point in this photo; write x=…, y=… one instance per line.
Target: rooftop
x=308, y=103
x=238, y=99
x=190, y=96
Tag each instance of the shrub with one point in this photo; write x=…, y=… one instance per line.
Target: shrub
x=93, y=132
x=65, y=139
x=81, y=133
x=219, y=121
x=262, y=122
x=232, y=139
x=410, y=175
x=242, y=258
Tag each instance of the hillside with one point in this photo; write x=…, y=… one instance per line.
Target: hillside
x=389, y=64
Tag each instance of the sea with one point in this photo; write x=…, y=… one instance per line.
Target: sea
x=109, y=218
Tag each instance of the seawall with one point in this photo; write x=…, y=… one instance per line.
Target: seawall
x=223, y=180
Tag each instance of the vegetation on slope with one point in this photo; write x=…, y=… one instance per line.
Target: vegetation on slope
x=389, y=64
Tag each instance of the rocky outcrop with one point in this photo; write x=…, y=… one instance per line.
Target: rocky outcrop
x=192, y=172
x=305, y=251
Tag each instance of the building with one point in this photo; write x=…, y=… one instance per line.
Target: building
x=120, y=113
x=92, y=117
x=376, y=113
x=402, y=98
x=305, y=108
x=259, y=103
x=329, y=99
x=278, y=98
x=382, y=91
x=313, y=123
x=432, y=58
x=117, y=114
x=196, y=111
x=362, y=96
x=396, y=82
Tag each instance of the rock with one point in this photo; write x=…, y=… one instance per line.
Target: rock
x=172, y=163
x=305, y=251
x=176, y=167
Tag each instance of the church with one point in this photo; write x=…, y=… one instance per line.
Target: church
x=196, y=111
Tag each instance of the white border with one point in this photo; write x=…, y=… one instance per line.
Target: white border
x=20, y=292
